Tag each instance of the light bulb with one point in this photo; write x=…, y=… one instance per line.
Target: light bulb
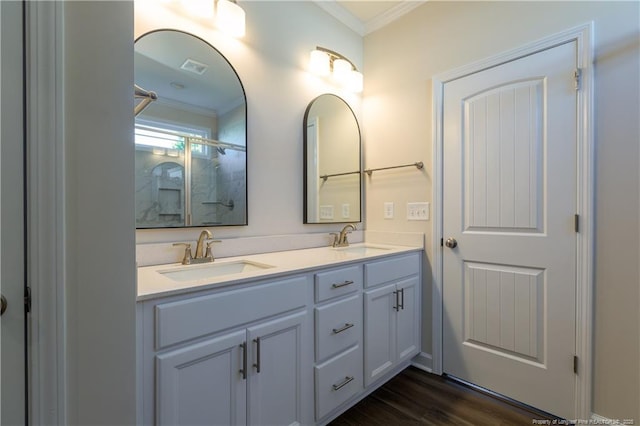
x=319, y=62
x=230, y=18
x=341, y=70
x=355, y=81
x=201, y=8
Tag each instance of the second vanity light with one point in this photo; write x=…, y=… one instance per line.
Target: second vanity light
x=325, y=62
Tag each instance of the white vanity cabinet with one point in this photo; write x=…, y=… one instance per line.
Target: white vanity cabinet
x=391, y=314
x=240, y=356
x=296, y=348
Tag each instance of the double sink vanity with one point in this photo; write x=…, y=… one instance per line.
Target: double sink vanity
x=276, y=338
x=281, y=338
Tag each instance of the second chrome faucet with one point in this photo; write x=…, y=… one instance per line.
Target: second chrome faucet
x=201, y=255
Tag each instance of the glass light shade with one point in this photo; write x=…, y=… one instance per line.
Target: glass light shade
x=230, y=18
x=355, y=81
x=319, y=62
x=201, y=8
x=341, y=70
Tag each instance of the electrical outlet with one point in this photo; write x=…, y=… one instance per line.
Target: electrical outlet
x=326, y=212
x=388, y=210
x=418, y=211
x=345, y=211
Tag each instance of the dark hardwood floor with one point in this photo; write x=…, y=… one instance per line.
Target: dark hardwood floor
x=415, y=397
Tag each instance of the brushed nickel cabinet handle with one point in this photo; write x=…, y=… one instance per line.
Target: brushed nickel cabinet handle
x=344, y=284
x=342, y=384
x=343, y=328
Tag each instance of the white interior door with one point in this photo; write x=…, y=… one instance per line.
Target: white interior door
x=509, y=202
x=12, y=283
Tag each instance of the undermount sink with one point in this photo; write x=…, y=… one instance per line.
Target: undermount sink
x=363, y=250
x=212, y=270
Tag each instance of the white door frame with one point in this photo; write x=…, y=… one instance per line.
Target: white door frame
x=583, y=36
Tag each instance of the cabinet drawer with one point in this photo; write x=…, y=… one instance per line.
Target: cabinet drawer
x=338, y=326
x=391, y=269
x=338, y=282
x=338, y=380
x=188, y=319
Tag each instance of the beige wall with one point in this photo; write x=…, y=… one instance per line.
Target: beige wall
x=400, y=61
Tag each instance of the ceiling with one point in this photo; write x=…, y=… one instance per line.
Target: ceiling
x=366, y=16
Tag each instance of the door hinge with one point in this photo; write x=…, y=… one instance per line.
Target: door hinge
x=576, y=222
x=27, y=299
x=577, y=76
x=575, y=364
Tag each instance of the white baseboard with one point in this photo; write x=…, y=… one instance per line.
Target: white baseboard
x=423, y=361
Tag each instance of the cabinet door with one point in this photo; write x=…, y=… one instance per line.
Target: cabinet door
x=379, y=332
x=202, y=383
x=408, y=324
x=276, y=371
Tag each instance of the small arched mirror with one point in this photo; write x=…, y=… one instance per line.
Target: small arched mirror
x=332, y=173
x=191, y=139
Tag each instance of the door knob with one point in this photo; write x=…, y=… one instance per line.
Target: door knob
x=3, y=304
x=451, y=243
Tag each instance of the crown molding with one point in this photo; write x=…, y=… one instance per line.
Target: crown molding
x=385, y=18
x=342, y=15
x=363, y=28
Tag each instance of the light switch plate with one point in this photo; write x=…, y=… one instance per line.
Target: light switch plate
x=418, y=211
x=346, y=211
x=388, y=210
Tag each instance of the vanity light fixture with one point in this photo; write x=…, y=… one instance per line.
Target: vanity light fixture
x=323, y=62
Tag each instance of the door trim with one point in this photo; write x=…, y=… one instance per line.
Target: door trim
x=583, y=36
x=46, y=177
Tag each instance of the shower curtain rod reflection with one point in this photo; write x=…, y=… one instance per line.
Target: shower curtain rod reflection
x=418, y=165
x=325, y=177
x=196, y=139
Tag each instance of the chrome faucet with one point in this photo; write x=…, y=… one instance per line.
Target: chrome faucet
x=189, y=258
x=340, y=240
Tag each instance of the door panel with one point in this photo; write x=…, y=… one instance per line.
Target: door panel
x=408, y=321
x=510, y=138
x=275, y=380
x=379, y=332
x=503, y=148
x=202, y=384
x=12, y=263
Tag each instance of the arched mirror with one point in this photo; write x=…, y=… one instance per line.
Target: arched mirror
x=190, y=134
x=332, y=174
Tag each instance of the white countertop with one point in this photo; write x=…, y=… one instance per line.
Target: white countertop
x=153, y=284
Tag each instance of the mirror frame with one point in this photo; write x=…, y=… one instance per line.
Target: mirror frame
x=246, y=132
x=305, y=167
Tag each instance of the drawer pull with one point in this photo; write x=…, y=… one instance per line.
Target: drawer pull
x=344, y=284
x=344, y=383
x=343, y=328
